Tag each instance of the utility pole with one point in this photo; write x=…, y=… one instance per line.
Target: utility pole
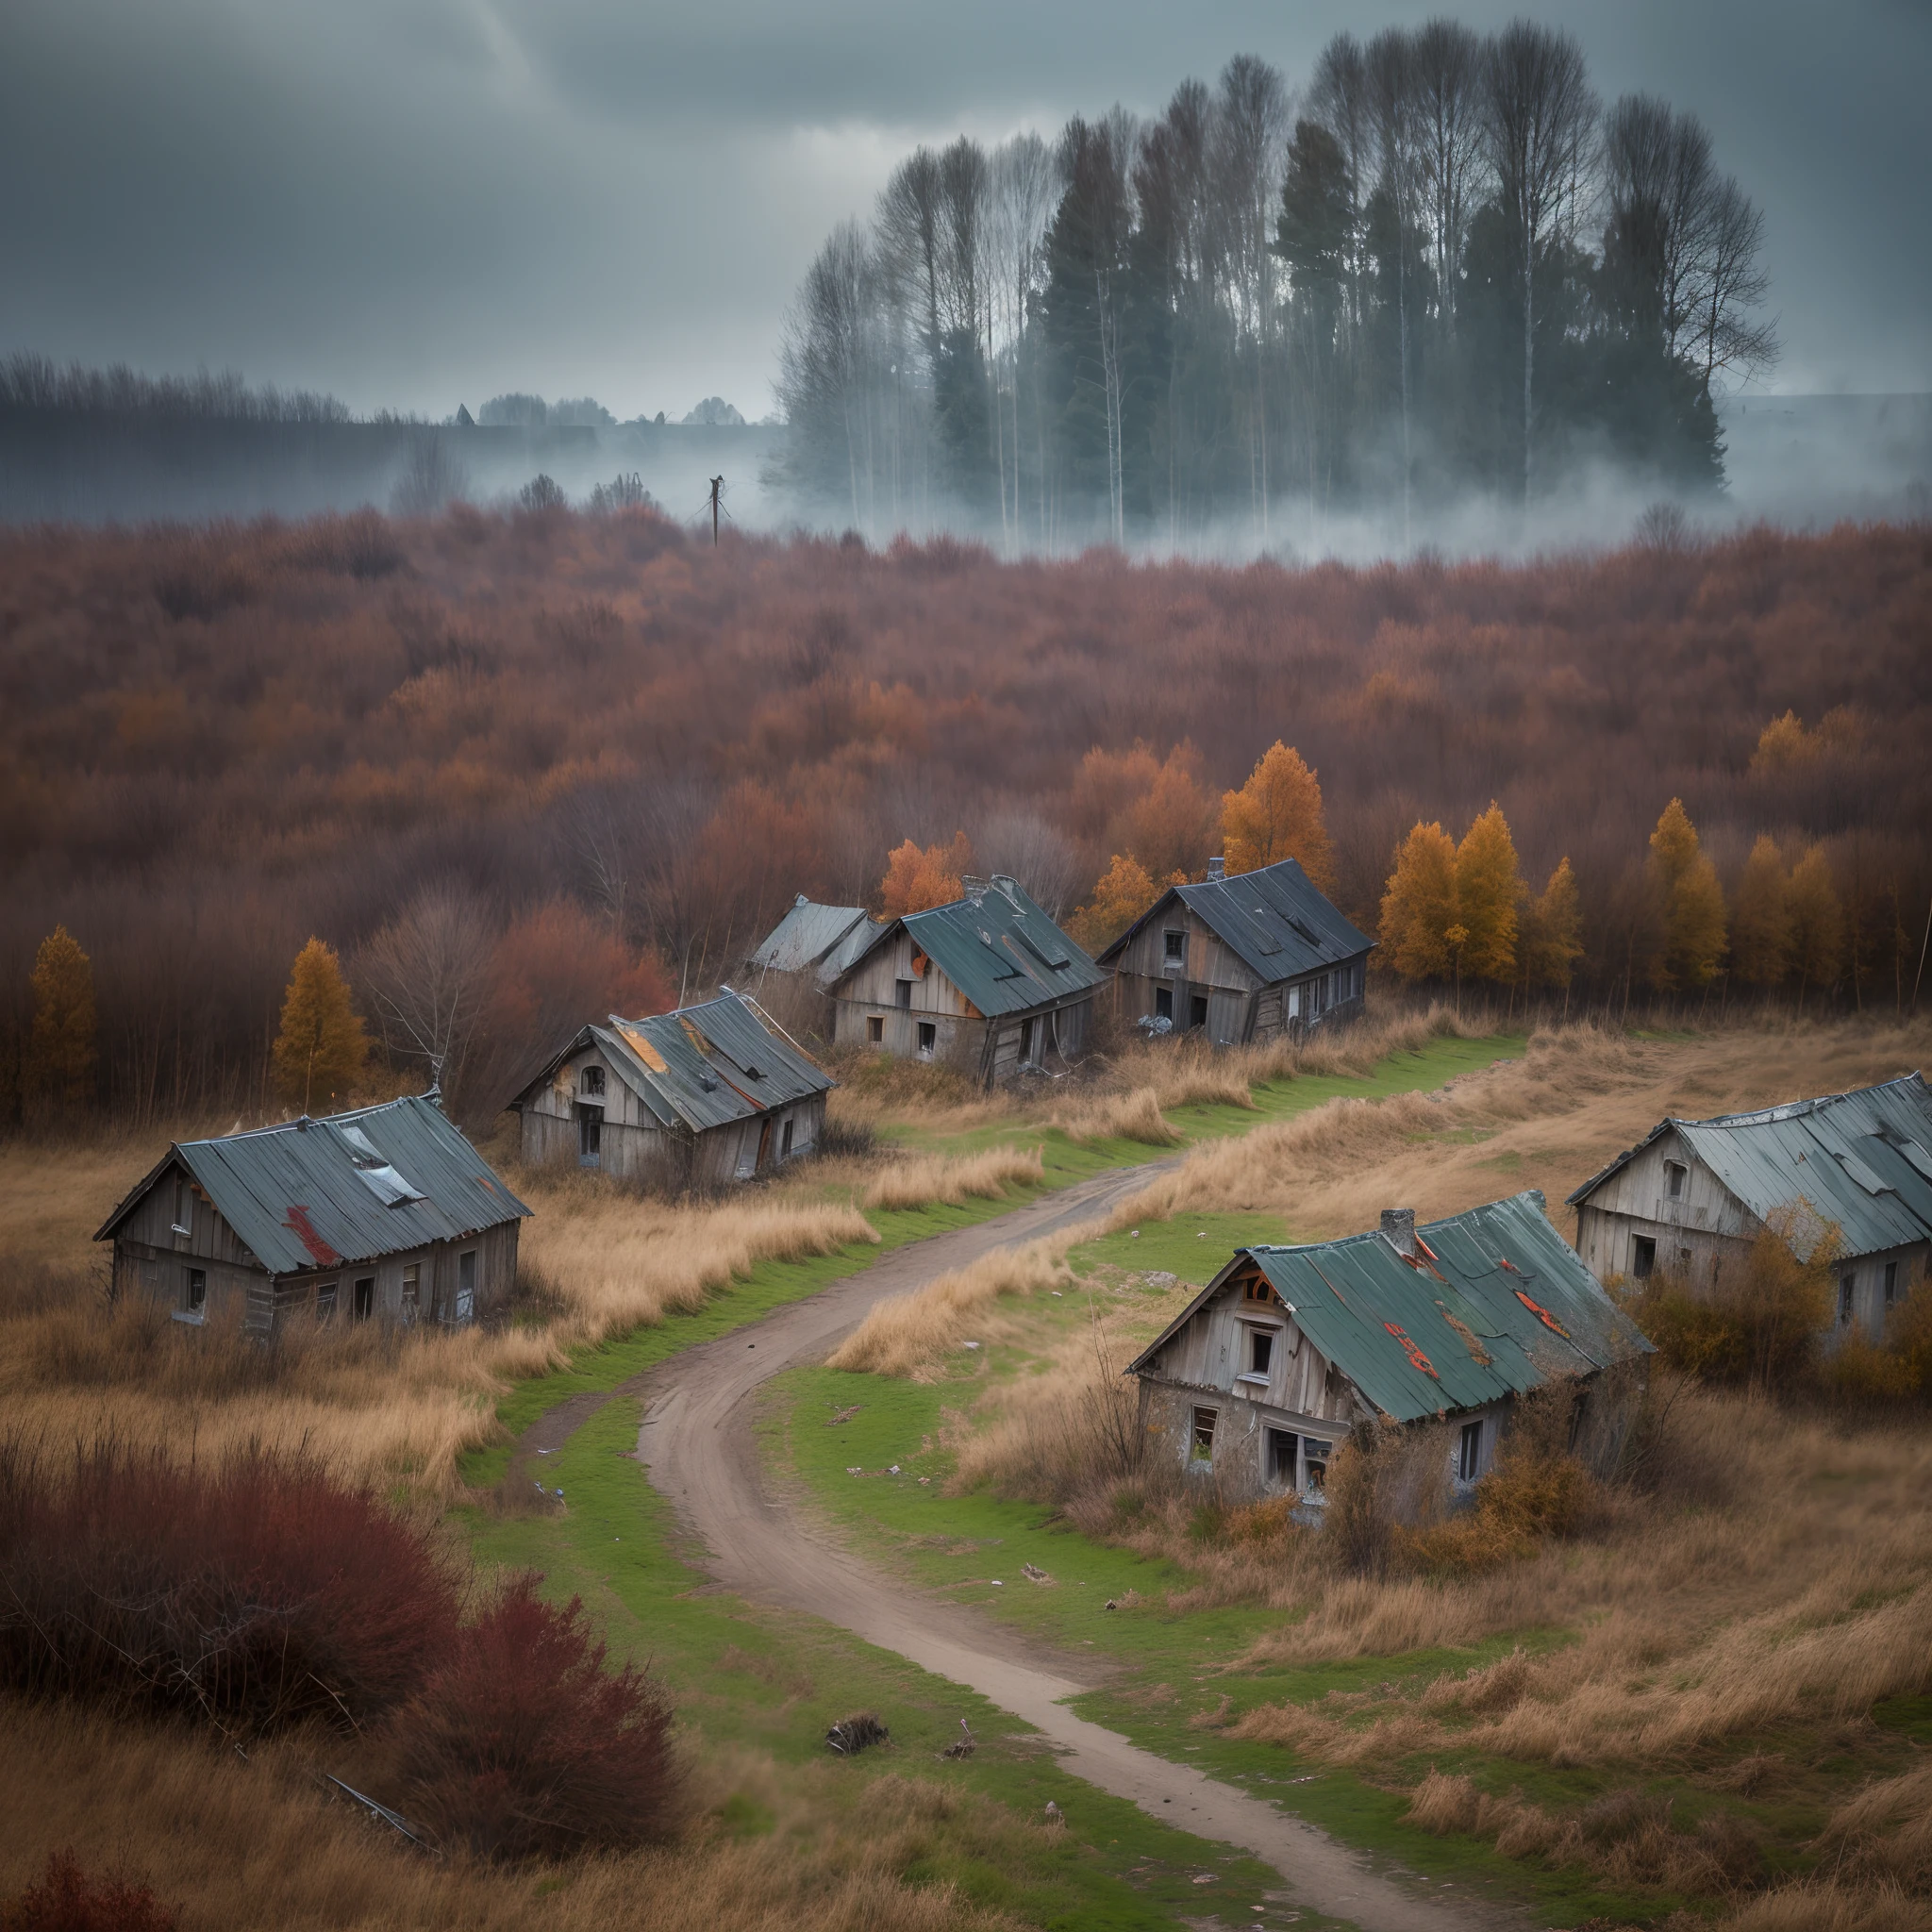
x=717, y=485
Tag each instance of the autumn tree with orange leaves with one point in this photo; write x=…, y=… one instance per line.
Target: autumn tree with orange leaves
x=916, y=880
x=1121, y=895
x=1277, y=815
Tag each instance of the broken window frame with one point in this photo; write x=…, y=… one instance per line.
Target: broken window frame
x=928, y=1039
x=1163, y=1003
x=411, y=1296
x=1675, y=1173
x=325, y=1302
x=875, y=1029
x=194, y=1292
x=1283, y=1468
x=1197, y=1010
x=466, y=1285
x=1261, y=1351
x=902, y=995
x=1200, y=1442
x=1173, y=946
x=363, y=1298
x=1469, y=1452
x=1315, y=1458
x=1643, y=1257
x=591, y=1082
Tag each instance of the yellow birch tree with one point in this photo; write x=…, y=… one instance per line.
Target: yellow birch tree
x=1419, y=906
x=1690, y=904
x=1761, y=919
x=1817, y=921
x=1549, y=931
x=1486, y=887
x=1121, y=895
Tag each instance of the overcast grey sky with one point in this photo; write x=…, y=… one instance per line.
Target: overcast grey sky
x=417, y=203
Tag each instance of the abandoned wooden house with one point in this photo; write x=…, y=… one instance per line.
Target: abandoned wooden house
x=989, y=984
x=697, y=1097
x=1692, y=1196
x=1263, y=1375
x=813, y=942
x=384, y=1212
x=1240, y=958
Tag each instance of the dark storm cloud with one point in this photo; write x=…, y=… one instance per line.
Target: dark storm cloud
x=424, y=202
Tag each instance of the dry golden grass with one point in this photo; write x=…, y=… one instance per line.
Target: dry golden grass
x=955, y=1178
x=1132, y=1115
x=257, y=1843
x=1577, y=1096
x=912, y=1334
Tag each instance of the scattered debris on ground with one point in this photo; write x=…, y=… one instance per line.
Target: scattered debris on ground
x=859, y=1732
x=963, y=1745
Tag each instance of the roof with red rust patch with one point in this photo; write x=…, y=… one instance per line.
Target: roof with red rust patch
x=1495, y=1303
x=320, y=1193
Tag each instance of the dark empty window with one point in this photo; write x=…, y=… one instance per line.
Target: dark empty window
x=326, y=1301
x=1890, y=1283
x=901, y=993
x=412, y=1289
x=1847, y=1287
x=1281, y=1451
x=785, y=1142
x=1260, y=1350
x=1197, y=1010
x=1173, y=946
x=1205, y=1420
x=198, y=1290
x=466, y=1284
x=928, y=1039
x=1027, y=1041
x=1163, y=1003
x=590, y=1135
x=1673, y=1179
x=1469, y=1452
x=362, y=1299
x=1643, y=1257
x=594, y=1081
x=875, y=1029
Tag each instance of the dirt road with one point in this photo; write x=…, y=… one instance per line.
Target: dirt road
x=699, y=1445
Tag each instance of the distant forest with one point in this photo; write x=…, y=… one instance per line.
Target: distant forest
x=1440, y=265
x=587, y=761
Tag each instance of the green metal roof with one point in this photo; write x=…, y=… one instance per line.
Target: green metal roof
x=699, y=1067
x=1860, y=1161
x=1529, y=1309
x=313, y=1193
x=999, y=949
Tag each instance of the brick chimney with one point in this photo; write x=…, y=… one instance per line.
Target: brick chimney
x=1217, y=868
x=1398, y=1229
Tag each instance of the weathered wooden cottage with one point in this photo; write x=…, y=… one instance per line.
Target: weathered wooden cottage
x=386, y=1212
x=813, y=942
x=1691, y=1197
x=697, y=1097
x=1263, y=1375
x=989, y=984
x=1240, y=958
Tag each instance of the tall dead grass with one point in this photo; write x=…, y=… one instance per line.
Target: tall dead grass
x=912, y=1334
x=955, y=1178
x=259, y=1842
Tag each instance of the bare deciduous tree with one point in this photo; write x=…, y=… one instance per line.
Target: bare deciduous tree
x=424, y=975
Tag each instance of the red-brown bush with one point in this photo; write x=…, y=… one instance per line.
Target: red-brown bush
x=522, y=1745
x=251, y=1594
x=67, y=1900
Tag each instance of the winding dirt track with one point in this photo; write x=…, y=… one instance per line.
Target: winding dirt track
x=699, y=1445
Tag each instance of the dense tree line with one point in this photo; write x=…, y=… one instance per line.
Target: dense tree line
x=515, y=770
x=1441, y=264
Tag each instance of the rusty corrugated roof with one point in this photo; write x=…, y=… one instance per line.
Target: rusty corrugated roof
x=312, y=1194
x=1504, y=1304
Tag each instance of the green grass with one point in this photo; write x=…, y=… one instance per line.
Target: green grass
x=747, y=1678
x=759, y=1682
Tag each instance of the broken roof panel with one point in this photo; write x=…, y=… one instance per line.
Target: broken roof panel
x=999, y=948
x=701, y=1066
x=1496, y=1302
x=1862, y=1161
x=313, y=1193
x=1275, y=919
x=811, y=936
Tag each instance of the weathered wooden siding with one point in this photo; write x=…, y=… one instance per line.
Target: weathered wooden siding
x=151, y=1258
x=439, y=1283
x=633, y=1145
x=1706, y=1230
x=1240, y=1005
